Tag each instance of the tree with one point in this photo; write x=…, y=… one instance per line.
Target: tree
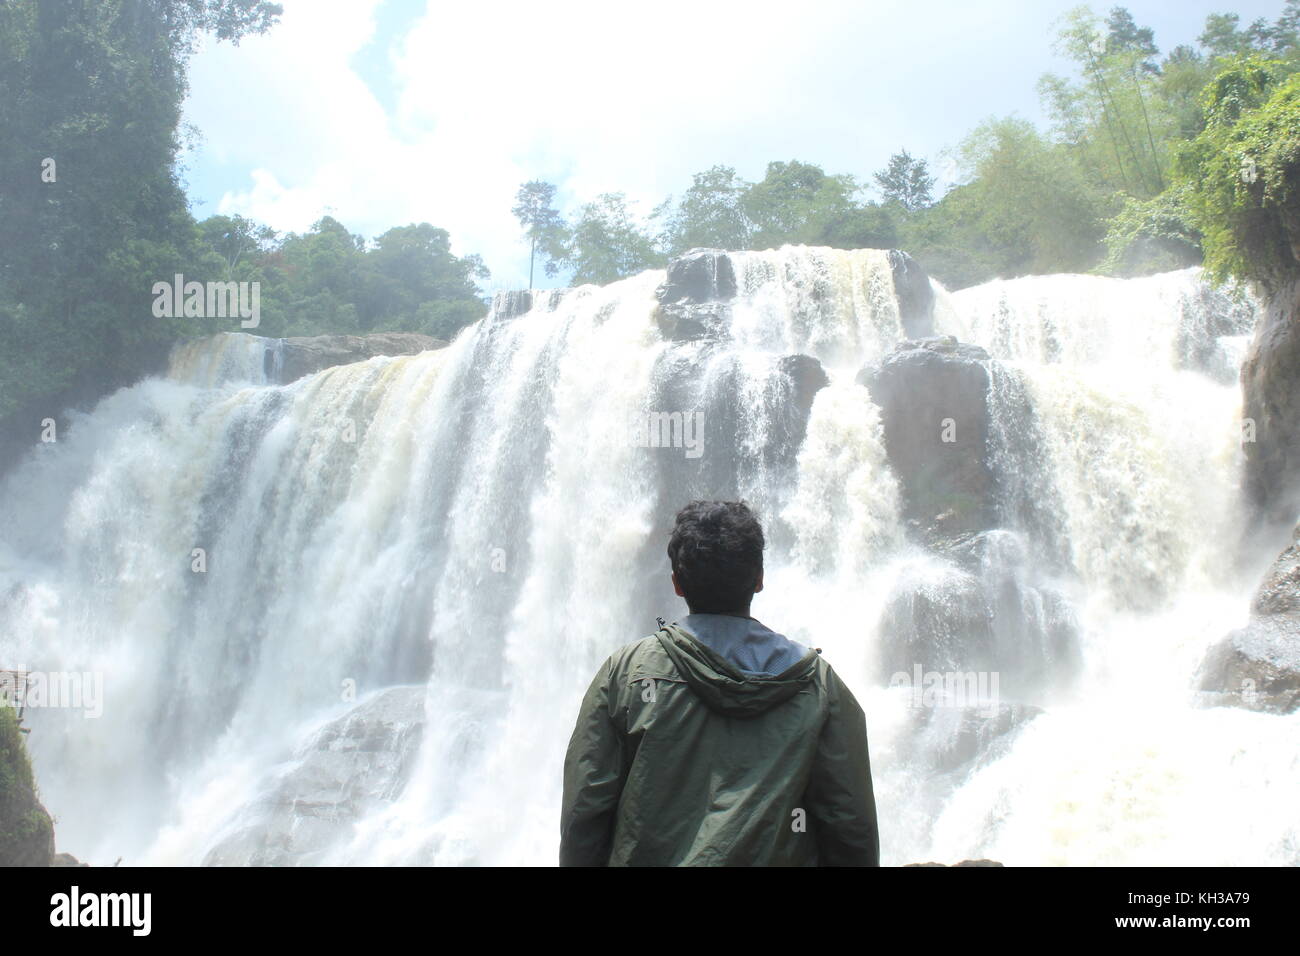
x=606, y=243
x=1026, y=207
x=711, y=213
x=796, y=202
x=1242, y=173
x=1182, y=75
x=906, y=181
x=328, y=280
x=542, y=224
x=1124, y=36
x=1107, y=118
x=1134, y=48
x=235, y=239
x=96, y=89
x=411, y=267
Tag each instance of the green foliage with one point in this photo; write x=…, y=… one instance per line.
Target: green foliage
x=796, y=203
x=1242, y=173
x=328, y=280
x=906, y=181
x=606, y=243
x=1026, y=208
x=1106, y=117
x=711, y=214
x=545, y=229
x=1152, y=235
x=97, y=89
x=26, y=831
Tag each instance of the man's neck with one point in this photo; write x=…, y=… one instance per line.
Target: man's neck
x=744, y=613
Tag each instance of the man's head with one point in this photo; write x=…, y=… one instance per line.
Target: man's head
x=716, y=552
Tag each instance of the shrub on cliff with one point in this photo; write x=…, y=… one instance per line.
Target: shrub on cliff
x=1242, y=173
x=26, y=831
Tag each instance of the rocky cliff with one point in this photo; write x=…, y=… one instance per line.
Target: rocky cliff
x=1270, y=381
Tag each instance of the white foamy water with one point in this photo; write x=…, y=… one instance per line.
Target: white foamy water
x=463, y=535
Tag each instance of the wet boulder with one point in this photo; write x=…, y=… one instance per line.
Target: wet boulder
x=1258, y=666
x=694, y=299
x=915, y=295
x=511, y=304
x=801, y=378
x=353, y=764
x=714, y=423
x=979, y=607
x=700, y=275
x=933, y=396
x=965, y=736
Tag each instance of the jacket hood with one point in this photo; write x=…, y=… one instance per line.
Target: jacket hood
x=726, y=689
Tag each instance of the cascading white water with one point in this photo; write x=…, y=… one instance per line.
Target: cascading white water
x=410, y=568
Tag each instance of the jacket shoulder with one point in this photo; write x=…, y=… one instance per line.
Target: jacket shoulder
x=641, y=659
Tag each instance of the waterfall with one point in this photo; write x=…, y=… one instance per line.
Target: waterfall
x=349, y=619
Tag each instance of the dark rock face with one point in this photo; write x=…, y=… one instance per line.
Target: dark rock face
x=1270, y=381
x=354, y=763
x=966, y=453
x=737, y=435
x=934, y=406
x=1279, y=592
x=694, y=298
x=1208, y=314
x=699, y=275
x=308, y=354
x=1258, y=666
x=805, y=377
x=511, y=305
x=981, y=612
x=915, y=295
x=953, y=738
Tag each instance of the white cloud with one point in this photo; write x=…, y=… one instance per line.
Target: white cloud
x=594, y=96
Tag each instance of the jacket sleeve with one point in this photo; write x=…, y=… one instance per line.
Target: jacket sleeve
x=593, y=779
x=841, y=803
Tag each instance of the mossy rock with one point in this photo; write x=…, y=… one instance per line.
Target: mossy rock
x=26, y=830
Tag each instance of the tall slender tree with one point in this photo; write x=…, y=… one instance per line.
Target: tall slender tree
x=906, y=181
x=542, y=224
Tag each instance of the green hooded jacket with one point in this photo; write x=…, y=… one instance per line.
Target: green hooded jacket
x=680, y=759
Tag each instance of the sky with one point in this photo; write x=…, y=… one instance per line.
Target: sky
x=386, y=112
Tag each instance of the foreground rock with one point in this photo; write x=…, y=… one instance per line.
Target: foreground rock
x=299, y=356
x=349, y=766
x=1258, y=666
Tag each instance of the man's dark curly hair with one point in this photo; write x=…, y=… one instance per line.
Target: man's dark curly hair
x=716, y=551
